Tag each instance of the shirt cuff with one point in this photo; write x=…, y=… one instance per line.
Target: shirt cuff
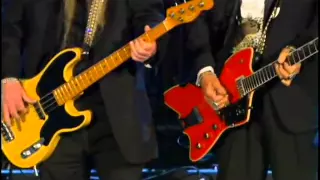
x=205, y=69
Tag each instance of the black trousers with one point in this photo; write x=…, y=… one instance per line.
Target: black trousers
x=246, y=153
x=92, y=147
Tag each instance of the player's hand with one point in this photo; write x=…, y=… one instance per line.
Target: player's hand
x=285, y=71
x=141, y=50
x=213, y=90
x=14, y=100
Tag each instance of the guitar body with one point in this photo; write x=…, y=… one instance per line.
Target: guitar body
x=34, y=138
x=208, y=125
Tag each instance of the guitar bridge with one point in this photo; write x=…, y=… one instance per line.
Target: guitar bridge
x=32, y=149
x=6, y=132
x=240, y=87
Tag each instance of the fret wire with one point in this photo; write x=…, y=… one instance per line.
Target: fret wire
x=88, y=76
x=297, y=53
x=65, y=91
x=261, y=77
x=106, y=65
x=303, y=51
x=256, y=77
x=296, y=57
x=118, y=53
x=79, y=83
x=292, y=57
x=85, y=78
x=309, y=49
x=59, y=94
x=264, y=76
x=251, y=82
x=101, y=66
x=315, y=46
x=70, y=88
x=245, y=85
x=75, y=85
x=256, y=82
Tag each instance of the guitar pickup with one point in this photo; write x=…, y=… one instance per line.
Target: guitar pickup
x=6, y=132
x=39, y=111
x=194, y=118
x=32, y=149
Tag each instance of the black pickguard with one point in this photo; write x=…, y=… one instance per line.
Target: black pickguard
x=235, y=113
x=231, y=115
x=58, y=118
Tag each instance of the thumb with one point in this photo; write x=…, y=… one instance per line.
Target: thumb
x=147, y=28
x=219, y=88
x=26, y=98
x=210, y=93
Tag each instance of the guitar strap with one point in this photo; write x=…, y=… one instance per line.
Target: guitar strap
x=96, y=9
x=273, y=15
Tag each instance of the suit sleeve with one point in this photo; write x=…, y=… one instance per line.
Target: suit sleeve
x=12, y=34
x=308, y=77
x=147, y=12
x=198, y=44
x=310, y=32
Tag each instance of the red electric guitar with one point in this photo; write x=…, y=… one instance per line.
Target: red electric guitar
x=206, y=124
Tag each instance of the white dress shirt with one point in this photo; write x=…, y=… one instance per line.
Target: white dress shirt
x=249, y=9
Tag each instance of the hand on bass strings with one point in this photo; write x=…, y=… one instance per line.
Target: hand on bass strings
x=141, y=50
x=285, y=71
x=214, y=92
x=14, y=100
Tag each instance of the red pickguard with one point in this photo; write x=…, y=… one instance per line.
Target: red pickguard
x=183, y=99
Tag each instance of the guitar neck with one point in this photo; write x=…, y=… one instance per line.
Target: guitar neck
x=81, y=82
x=268, y=72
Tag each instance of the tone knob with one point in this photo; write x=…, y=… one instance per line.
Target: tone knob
x=215, y=127
x=199, y=146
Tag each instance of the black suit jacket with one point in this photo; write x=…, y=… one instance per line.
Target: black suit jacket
x=296, y=24
x=30, y=35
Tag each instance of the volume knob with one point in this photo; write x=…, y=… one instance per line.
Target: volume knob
x=206, y=135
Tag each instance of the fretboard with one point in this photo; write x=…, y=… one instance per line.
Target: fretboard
x=81, y=82
x=268, y=72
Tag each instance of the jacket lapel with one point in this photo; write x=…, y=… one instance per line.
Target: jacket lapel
x=268, y=8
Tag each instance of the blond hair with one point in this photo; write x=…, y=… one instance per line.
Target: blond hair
x=69, y=13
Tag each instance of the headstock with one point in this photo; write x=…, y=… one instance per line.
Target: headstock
x=186, y=12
